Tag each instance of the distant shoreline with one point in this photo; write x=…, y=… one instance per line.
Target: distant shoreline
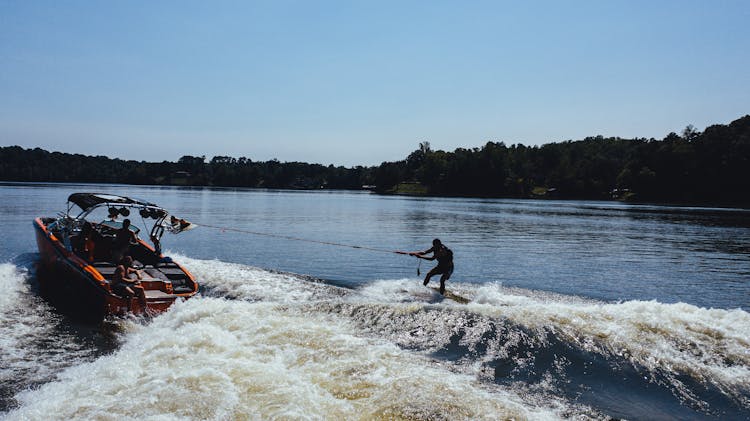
x=366, y=191
x=705, y=169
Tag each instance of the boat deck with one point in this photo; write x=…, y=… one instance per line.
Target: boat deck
x=154, y=279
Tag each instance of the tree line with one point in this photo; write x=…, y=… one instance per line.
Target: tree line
x=712, y=167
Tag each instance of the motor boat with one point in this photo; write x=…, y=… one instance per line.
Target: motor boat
x=81, y=249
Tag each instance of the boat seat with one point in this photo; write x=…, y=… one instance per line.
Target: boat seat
x=156, y=274
x=173, y=273
x=155, y=294
x=105, y=268
x=162, y=265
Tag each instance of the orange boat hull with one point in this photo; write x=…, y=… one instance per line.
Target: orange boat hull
x=70, y=282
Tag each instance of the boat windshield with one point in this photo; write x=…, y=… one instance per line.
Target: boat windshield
x=117, y=225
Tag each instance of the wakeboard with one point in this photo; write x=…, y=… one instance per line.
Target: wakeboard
x=451, y=296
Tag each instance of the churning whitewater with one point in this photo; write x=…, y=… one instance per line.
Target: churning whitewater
x=263, y=345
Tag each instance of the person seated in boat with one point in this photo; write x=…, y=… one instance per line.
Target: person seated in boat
x=123, y=283
x=124, y=238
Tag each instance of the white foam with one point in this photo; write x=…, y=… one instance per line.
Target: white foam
x=405, y=290
x=668, y=340
x=274, y=345
x=255, y=284
x=32, y=349
x=210, y=358
x=12, y=283
x=711, y=345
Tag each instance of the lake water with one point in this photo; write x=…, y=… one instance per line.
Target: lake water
x=578, y=309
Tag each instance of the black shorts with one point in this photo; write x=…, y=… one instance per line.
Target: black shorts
x=445, y=270
x=121, y=290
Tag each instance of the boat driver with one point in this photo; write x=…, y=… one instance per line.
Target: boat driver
x=124, y=238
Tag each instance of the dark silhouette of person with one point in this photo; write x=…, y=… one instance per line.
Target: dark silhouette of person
x=89, y=237
x=124, y=238
x=444, y=256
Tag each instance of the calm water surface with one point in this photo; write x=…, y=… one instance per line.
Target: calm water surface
x=578, y=309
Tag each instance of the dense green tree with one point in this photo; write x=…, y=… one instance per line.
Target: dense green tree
x=712, y=168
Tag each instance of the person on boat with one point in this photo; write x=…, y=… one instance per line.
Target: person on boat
x=123, y=284
x=88, y=240
x=444, y=256
x=124, y=238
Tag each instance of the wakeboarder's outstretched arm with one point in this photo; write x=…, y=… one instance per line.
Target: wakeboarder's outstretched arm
x=420, y=254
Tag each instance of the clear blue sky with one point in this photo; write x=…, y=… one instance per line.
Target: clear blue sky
x=361, y=82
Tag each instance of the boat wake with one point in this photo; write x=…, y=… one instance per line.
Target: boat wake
x=670, y=358
x=35, y=341
x=274, y=345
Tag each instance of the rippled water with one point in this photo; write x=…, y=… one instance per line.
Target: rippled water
x=578, y=309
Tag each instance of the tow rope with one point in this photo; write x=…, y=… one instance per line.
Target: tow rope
x=289, y=237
